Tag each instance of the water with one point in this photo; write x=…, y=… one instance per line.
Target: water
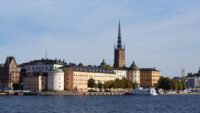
x=100, y=104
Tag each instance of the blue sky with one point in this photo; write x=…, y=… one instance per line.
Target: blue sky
x=160, y=33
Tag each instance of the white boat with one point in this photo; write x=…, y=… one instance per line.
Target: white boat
x=142, y=91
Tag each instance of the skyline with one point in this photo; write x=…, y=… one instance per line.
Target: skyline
x=164, y=34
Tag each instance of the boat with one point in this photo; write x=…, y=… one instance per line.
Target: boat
x=142, y=91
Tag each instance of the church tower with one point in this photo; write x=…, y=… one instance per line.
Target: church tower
x=119, y=52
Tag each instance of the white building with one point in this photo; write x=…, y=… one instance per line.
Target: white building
x=120, y=73
x=133, y=74
x=39, y=67
x=44, y=65
x=56, y=80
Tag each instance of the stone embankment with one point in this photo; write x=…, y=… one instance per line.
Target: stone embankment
x=71, y=93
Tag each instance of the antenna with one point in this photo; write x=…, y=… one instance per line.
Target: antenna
x=46, y=54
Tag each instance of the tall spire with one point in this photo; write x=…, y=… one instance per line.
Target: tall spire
x=119, y=42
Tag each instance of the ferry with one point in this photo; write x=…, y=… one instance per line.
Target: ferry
x=142, y=91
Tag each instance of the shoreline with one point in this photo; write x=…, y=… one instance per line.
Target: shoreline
x=72, y=93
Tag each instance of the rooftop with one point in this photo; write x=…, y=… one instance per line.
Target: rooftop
x=148, y=69
x=56, y=70
x=45, y=62
x=95, y=69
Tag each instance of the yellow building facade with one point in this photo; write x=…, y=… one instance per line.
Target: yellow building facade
x=149, y=77
x=76, y=77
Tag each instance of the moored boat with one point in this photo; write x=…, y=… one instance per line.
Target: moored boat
x=142, y=91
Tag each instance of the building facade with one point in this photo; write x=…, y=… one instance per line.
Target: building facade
x=56, y=80
x=193, y=80
x=76, y=77
x=119, y=52
x=36, y=83
x=9, y=74
x=120, y=73
x=149, y=77
x=133, y=74
x=44, y=65
x=36, y=73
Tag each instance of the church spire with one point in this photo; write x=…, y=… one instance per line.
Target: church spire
x=119, y=42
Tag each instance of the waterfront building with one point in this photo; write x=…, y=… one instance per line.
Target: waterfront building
x=9, y=74
x=56, y=80
x=43, y=65
x=119, y=52
x=193, y=80
x=77, y=76
x=36, y=73
x=133, y=74
x=35, y=83
x=120, y=73
x=149, y=77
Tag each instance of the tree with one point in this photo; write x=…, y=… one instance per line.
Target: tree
x=16, y=86
x=108, y=84
x=164, y=83
x=134, y=85
x=91, y=83
x=100, y=85
x=174, y=85
x=127, y=84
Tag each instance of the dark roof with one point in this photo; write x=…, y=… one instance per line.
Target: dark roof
x=8, y=61
x=120, y=68
x=96, y=69
x=44, y=61
x=133, y=67
x=193, y=75
x=148, y=69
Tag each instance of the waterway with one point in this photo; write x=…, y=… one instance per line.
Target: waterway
x=100, y=104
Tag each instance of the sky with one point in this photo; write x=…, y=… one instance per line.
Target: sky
x=157, y=33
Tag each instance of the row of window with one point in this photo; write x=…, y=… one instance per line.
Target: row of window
x=91, y=76
x=40, y=68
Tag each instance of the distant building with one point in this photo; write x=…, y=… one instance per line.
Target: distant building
x=36, y=73
x=56, y=80
x=43, y=65
x=119, y=52
x=133, y=74
x=149, y=77
x=193, y=80
x=76, y=77
x=35, y=83
x=119, y=58
x=120, y=73
x=9, y=74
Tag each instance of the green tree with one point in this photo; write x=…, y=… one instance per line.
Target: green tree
x=16, y=86
x=100, y=85
x=108, y=85
x=134, y=85
x=117, y=83
x=91, y=83
x=164, y=83
x=174, y=85
x=127, y=84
